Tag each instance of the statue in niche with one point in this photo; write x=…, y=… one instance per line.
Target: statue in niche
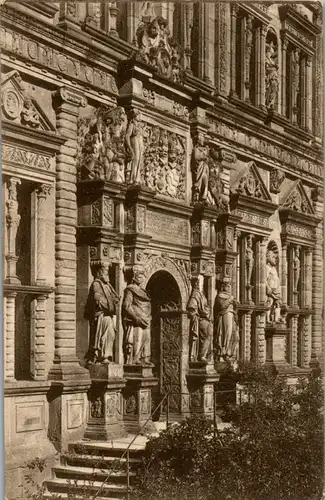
x=226, y=324
x=29, y=115
x=135, y=147
x=216, y=187
x=200, y=169
x=273, y=289
x=249, y=259
x=101, y=307
x=271, y=75
x=201, y=326
x=136, y=319
x=296, y=268
x=157, y=48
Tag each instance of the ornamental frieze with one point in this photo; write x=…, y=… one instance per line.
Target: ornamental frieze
x=168, y=228
x=265, y=149
x=57, y=61
x=26, y=158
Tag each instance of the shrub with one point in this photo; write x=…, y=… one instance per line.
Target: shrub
x=272, y=451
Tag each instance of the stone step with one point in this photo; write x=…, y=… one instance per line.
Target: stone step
x=92, y=474
x=54, y=496
x=106, y=449
x=108, y=490
x=99, y=461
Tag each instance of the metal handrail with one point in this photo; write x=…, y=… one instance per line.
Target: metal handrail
x=166, y=397
x=127, y=450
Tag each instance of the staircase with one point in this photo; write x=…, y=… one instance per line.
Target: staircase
x=86, y=465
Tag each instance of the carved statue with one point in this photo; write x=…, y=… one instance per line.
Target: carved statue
x=200, y=169
x=135, y=146
x=101, y=141
x=296, y=268
x=226, y=325
x=271, y=75
x=157, y=48
x=201, y=326
x=136, y=319
x=249, y=259
x=216, y=187
x=273, y=290
x=101, y=307
x=173, y=174
x=29, y=115
x=164, y=162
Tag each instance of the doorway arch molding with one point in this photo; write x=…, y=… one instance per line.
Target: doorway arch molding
x=165, y=263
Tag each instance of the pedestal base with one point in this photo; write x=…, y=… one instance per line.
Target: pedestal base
x=137, y=398
x=105, y=419
x=275, y=335
x=201, y=383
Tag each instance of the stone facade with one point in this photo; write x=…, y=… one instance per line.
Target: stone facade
x=184, y=139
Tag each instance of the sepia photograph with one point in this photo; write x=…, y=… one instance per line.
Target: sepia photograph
x=162, y=250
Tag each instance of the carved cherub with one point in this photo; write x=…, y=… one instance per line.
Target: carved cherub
x=29, y=115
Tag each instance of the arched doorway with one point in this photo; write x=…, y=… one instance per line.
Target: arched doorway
x=166, y=340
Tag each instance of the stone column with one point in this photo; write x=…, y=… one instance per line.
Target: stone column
x=258, y=66
x=308, y=257
x=38, y=338
x=306, y=341
x=294, y=341
x=262, y=67
x=261, y=270
x=303, y=96
x=9, y=313
x=42, y=192
x=247, y=56
x=234, y=266
x=66, y=365
x=309, y=94
x=260, y=334
x=113, y=12
x=234, y=12
x=295, y=85
x=222, y=57
x=69, y=16
x=203, y=41
x=93, y=16
x=284, y=274
x=317, y=275
x=12, y=222
x=284, y=46
x=247, y=335
x=318, y=90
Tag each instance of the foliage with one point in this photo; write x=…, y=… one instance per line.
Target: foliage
x=272, y=451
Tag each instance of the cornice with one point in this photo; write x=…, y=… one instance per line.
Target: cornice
x=288, y=13
x=42, y=140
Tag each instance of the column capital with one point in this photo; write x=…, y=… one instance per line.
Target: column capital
x=234, y=9
x=264, y=30
x=284, y=41
x=43, y=190
x=69, y=96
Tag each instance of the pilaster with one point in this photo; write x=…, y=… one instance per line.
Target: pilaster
x=233, y=69
x=9, y=347
x=317, y=275
x=42, y=192
x=12, y=219
x=263, y=33
x=66, y=365
x=309, y=94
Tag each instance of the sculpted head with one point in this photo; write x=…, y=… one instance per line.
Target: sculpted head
x=226, y=286
x=200, y=140
x=198, y=283
x=138, y=275
x=271, y=258
x=100, y=272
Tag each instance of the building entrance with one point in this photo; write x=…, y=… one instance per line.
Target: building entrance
x=166, y=342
